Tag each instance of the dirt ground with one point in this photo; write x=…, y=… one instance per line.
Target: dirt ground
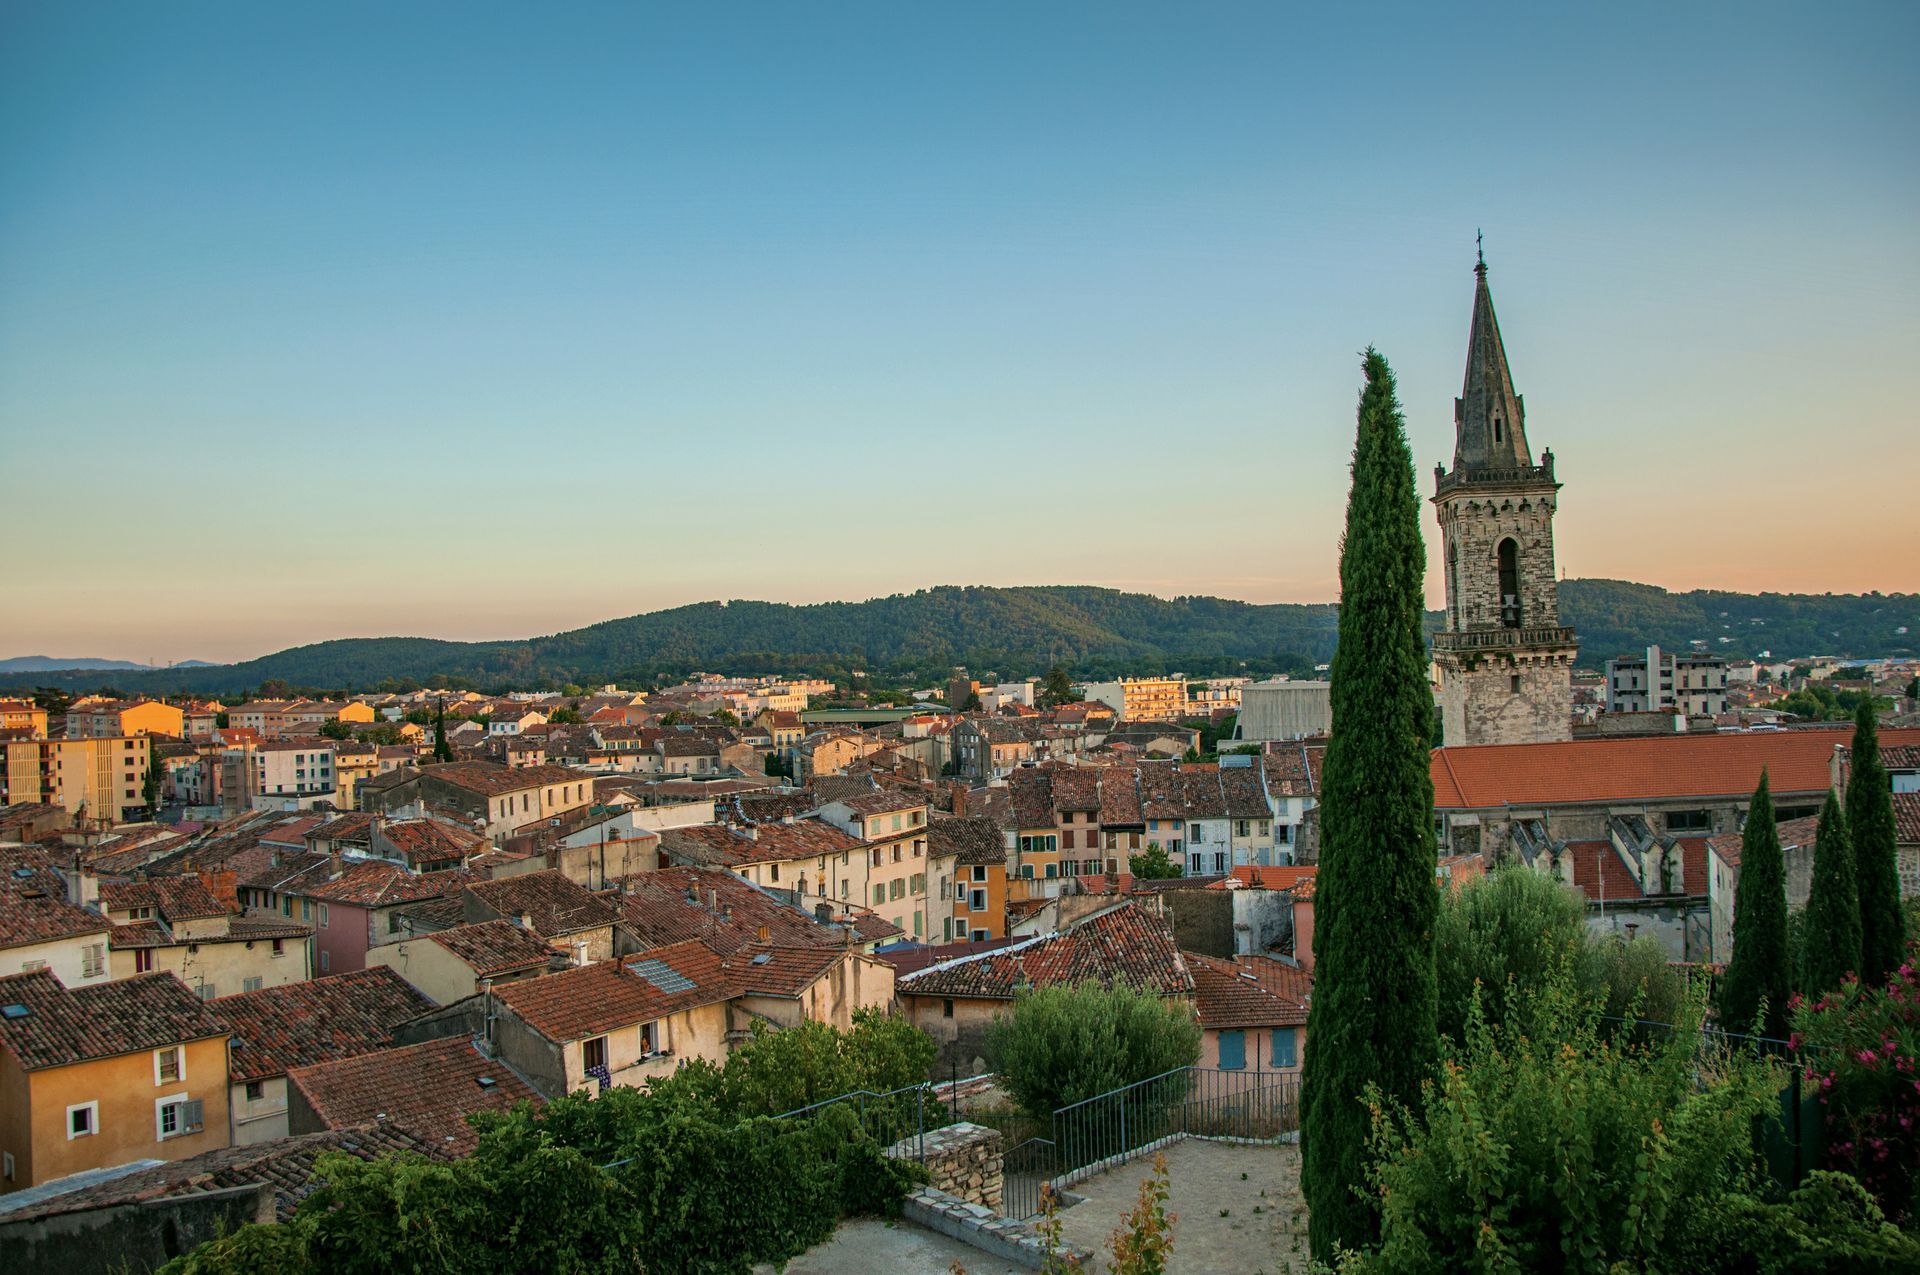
x=1238, y=1208
x=900, y=1248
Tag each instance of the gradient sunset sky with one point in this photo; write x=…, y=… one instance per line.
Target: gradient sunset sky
x=486, y=320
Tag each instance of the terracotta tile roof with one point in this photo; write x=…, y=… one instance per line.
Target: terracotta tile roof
x=493, y=948
x=870, y=927
x=589, y=1000
x=1120, y=796
x=1032, y=798
x=882, y=802
x=34, y=906
x=1906, y=818
x=972, y=841
x=1297, y=878
x=909, y=957
x=489, y=779
x=1124, y=944
x=431, y=839
x=1900, y=756
x=1293, y=769
x=1250, y=991
x=175, y=898
x=1161, y=790
x=277, y=1029
x=283, y=1164
x=1792, y=833
x=555, y=904
x=139, y=934
x=801, y=839
x=687, y=745
x=1075, y=788
x=1201, y=793
x=128, y=1015
x=657, y=910
x=781, y=971
x=1638, y=769
x=348, y=827
x=377, y=884
x=428, y=1090
x=771, y=807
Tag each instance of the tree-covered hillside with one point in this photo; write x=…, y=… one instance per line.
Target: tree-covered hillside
x=1019, y=632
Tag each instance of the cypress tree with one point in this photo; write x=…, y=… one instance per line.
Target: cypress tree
x=1883, y=937
x=442, y=750
x=1758, y=971
x=1373, y=1012
x=1832, y=947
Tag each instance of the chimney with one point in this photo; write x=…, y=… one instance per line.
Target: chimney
x=335, y=861
x=713, y=900
x=958, y=792
x=763, y=935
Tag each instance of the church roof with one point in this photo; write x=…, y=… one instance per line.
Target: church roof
x=1487, y=396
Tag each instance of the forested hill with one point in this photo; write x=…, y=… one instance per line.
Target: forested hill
x=1021, y=631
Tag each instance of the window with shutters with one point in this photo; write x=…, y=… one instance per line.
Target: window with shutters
x=1285, y=1047
x=1233, y=1051
x=167, y=1067
x=178, y=1115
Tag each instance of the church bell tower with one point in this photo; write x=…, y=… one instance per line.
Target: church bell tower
x=1505, y=660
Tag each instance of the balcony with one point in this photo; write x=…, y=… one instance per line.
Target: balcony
x=1503, y=639
x=1508, y=476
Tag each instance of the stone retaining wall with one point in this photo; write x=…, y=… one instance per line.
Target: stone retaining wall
x=965, y=1161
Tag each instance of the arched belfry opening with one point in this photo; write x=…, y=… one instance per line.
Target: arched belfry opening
x=1509, y=583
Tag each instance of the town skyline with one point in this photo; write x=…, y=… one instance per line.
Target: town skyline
x=376, y=305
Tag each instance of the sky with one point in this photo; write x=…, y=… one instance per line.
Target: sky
x=487, y=320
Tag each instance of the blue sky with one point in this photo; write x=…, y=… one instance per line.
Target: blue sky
x=485, y=320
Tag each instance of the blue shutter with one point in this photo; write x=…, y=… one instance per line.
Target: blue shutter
x=1283, y=1054
x=1233, y=1051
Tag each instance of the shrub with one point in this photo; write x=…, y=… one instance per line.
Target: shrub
x=781, y=1071
x=1861, y=1047
x=1830, y=1223
x=1544, y=1144
x=1505, y=933
x=1063, y=1044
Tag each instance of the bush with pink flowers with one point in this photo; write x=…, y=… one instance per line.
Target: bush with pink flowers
x=1860, y=1049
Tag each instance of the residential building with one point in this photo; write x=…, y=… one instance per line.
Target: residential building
x=98, y=779
x=353, y=907
x=574, y=921
x=453, y=964
x=23, y=717
x=177, y=925
x=1667, y=680
x=277, y=1029
x=42, y=928
x=500, y=800
x=276, y=775
x=1252, y=1012
x=1214, y=695
x=91, y=1077
x=428, y=1089
x=1505, y=660
x=112, y=719
x=1142, y=699
x=893, y=826
x=978, y=884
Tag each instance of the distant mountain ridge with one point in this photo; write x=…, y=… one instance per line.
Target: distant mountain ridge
x=1016, y=632
x=56, y=664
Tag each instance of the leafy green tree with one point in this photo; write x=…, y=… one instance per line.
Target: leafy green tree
x=1833, y=907
x=1883, y=937
x=1372, y=1020
x=420, y=716
x=781, y=1071
x=1753, y=995
x=1154, y=864
x=1548, y=1145
x=334, y=728
x=1913, y=692
x=971, y=704
x=565, y=717
x=1502, y=936
x=221, y=720
x=1057, y=689
x=1065, y=1043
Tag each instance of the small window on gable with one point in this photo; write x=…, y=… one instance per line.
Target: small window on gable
x=1498, y=434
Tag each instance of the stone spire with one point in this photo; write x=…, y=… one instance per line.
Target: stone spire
x=1489, y=418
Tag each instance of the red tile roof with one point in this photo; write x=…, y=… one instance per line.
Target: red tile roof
x=1125, y=944
x=427, y=1089
x=781, y=971
x=554, y=904
x=276, y=1029
x=490, y=779
x=590, y=1000
x=1637, y=769
x=657, y=910
x=376, y=884
x=34, y=906
x=972, y=842
x=128, y=1015
x=1906, y=818
x=493, y=948
x=1250, y=991
x=1297, y=878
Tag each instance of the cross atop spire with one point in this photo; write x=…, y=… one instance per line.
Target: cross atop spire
x=1489, y=418
x=1480, y=251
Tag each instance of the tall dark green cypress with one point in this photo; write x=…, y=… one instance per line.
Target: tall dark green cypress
x=1373, y=1012
x=1831, y=949
x=1758, y=971
x=1883, y=935
x=442, y=750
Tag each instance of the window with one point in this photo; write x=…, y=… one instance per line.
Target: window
x=177, y=1115
x=1196, y=864
x=256, y=1090
x=593, y=1054
x=843, y=889
x=1066, y=839
x=1233, y=1051
x=919, y=919
x=879, y=894
x=1285, y=1047
x=143, y=960
x=1242, y=828
x=896, y=888
x=977, y=902
x=946, y=1008
x=167, y=1068
x=6, y=1166
x=323, y=916
x=250, y=983
x=83, y=1120
x=1509, y=567
x=649, y=1039
x=919, y=883
x=1689, y=821
x=326, y=960
x=279, y=947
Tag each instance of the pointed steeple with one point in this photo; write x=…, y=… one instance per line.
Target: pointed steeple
x=1489, y=418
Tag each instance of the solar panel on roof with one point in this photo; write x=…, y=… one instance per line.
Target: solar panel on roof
x=662, y=975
